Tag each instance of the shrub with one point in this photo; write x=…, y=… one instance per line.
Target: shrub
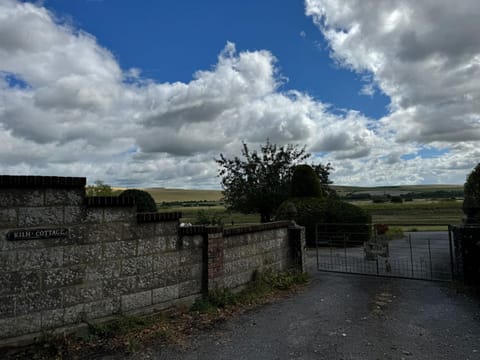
x=305, y=183
x=471, y=202
x=208, y=218
x=396, y=199
x=347, y=218
x=143, y=200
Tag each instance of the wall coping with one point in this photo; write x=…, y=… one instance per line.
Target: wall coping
x=158, y=217
x=256, y=228
x=31, y=181
x=108, y=201
x=201, y=229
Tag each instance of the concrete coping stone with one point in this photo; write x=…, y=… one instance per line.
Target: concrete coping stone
x=200, y=229
x=33, y=181
x=109, y=201
x=257, y=228
x=158, y=217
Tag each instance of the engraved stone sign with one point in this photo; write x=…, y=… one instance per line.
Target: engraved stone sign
x=36, y=234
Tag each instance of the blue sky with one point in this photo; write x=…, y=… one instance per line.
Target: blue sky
x=171, y=40
x=148, y=93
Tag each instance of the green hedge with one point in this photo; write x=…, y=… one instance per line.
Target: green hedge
x=310, y=211
x=143, y=200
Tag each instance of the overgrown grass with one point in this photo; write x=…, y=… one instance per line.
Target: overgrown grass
x=262, y=285
x=121, y=326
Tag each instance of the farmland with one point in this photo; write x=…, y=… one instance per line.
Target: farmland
x=425, y=211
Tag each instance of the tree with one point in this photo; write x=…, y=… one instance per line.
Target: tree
x=260, y=181
x=99, y=189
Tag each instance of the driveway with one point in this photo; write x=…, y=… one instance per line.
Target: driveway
x=347, y=317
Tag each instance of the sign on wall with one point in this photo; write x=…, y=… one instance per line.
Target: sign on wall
x=36, y=234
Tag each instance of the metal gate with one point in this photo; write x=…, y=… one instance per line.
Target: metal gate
x=401, y=250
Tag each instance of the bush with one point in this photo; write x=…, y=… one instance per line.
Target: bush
x=471, y=202
x=305, y=183
x=143, y=200
x=347, y=218
x=208, y=218
x=396, y=199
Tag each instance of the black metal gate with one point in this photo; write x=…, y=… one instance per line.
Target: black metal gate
x=402, y=251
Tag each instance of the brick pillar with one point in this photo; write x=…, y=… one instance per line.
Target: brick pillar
x=214, y=242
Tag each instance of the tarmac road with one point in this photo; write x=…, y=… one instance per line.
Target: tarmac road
x=340, y=316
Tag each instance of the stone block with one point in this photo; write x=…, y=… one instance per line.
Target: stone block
x=20, y=325
x=162, y=262
x=166, y=228
x=97, y=272
x=189, y=272
x=119, y=286
x=236, y=280
x=8, y=261
x=64, y=197
x=149, y=281
x=136, y=301
x=74, y=314
x=93, y=215
x=172, y=242
x=21, y=197
x=120, y=249
x=81, y=294
x=151, y=245
x=119, y=214
x=7, y=306
x=102, y=308
x=139, y=231
x=18, y=282
x=34, y=302
x=8, y=218
x=46, y=258
x=82, y=254
x=189, y=288
x=52, y=318
x=40, y=216
x=236, y=266
x=74, y=214
x=164, y=294
x=137, y=265
x=73, y=275
x=193, y=256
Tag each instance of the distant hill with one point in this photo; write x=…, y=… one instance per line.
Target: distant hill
x=397, y=190
x=171, y=195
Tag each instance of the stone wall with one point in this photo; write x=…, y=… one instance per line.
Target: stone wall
x=66, y=259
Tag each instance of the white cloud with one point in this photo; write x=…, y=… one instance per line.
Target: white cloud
x=423, y=54
x=67, y=108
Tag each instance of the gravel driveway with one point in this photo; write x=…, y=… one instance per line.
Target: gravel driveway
x=347, y=317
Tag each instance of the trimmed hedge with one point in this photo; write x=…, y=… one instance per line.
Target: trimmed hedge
x=336, y=217
x=305, y=183
x=143, y=200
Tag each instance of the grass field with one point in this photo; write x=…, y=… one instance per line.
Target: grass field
x=169, y=195
x=415, y=213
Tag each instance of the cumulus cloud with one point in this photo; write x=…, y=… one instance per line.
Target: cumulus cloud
x=67, y=108
x=423, y=54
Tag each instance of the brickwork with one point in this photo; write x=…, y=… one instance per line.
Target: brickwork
x=66, y=259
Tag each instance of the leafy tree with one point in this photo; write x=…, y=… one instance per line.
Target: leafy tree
x=99, y=189
x=259, y=182
x=471, y=202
